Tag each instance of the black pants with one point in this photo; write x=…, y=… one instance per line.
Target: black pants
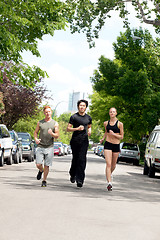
x=78, y=165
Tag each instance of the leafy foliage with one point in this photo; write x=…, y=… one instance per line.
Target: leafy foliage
x=20, y=102
x=90, y=16
x=22, y=23
x=28, y=124
x=132, y=82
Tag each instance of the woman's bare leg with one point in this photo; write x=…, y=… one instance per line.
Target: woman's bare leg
x=108, y=158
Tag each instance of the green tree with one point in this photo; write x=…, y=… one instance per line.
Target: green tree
x=63, y=121
x=97, y=131
x=22, y=23
x=133, y=81
x=28, y=124
x=90, y=16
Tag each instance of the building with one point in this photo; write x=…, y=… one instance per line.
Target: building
x=73, y=99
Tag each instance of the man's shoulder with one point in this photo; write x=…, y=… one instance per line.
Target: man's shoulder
x=74, y=115
x=88, y=116
x=42, y=121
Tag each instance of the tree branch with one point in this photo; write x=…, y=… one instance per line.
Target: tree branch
x=153, y=22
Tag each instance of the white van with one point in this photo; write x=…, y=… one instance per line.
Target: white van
x=152, y=153
x=5, y=145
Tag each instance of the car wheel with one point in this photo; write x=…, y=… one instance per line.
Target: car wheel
x=20, y=158
x=1, y=160
x=30, y=158
x=16, y=158
x=136, y=162
x=145, y=169
x=151, y=173
x=9, y=159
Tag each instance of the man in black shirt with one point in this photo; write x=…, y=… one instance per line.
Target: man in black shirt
x=80, y=125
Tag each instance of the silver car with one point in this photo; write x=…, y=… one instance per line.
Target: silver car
x=129, y=152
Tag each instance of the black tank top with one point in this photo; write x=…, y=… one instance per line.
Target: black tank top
x=114, y=128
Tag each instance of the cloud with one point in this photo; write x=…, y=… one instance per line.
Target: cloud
x=88, y=70
x=59, y=48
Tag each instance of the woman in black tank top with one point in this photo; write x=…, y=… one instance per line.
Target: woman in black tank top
x=113, y=135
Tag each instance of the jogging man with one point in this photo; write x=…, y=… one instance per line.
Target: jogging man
x=80, y=125
x=48, y=130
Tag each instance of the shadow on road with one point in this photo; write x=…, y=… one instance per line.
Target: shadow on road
x=130, y=186
x=134, y=187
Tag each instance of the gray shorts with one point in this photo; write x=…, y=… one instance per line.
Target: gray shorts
x=44, y=155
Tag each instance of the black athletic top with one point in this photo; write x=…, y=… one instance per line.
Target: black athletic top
x=76, y=120
x=114, y=128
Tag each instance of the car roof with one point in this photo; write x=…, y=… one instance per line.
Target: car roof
x=157, y=127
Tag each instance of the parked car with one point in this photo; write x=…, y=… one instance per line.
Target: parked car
x=35, y=148
x=27, y=146
x=69, y=149
x=17, y=147
x=56, y=150
x=60, y=144
x=5, y=146
x=152, y=153
x=95, y=150
x=65, y=149
x=100, y=149
x=129, y=152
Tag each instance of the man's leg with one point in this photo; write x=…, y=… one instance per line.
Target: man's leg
x=81, y=164
x=40, y=167
x=49, y=154
x=39, y=161
x=73, y=168
x=46, y=171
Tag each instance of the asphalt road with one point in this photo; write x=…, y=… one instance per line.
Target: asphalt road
x=63, y=212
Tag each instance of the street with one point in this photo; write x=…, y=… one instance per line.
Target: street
x=61, y=211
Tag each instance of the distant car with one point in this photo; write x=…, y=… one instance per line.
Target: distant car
x=5, y=146
x=56, y=150
x=129, y=152
x=62, y=150
x=17, y=147
x=100, y=149
x=95, y=150
x=27, y=146
x=69, y=149
x=65, y=149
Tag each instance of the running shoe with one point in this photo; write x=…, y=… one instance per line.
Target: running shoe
x=79, y=184
x=72, y=179
x=44, y=184
x=39, y=175
x=109, y=187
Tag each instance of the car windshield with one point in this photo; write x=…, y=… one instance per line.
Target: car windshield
x=59, y=144
x=56, y=147
x=25, y=137
x=130, y=146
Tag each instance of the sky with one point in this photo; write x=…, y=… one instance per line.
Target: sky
x=70, y=62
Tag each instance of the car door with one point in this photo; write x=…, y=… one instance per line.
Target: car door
x=6, y=142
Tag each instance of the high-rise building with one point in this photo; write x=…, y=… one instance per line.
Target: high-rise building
x=73, y=99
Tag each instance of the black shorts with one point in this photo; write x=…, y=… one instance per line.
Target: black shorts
x=112, y=146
